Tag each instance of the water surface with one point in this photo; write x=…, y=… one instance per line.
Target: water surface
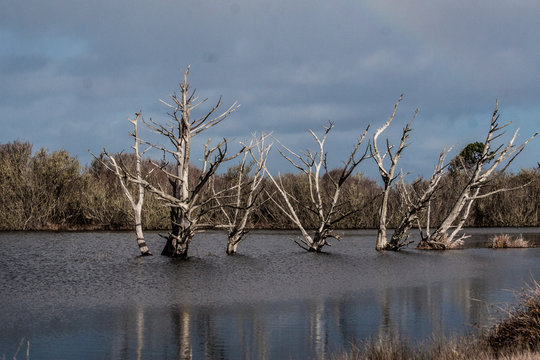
x=88, y=295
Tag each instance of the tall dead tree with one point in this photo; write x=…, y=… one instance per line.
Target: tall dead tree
x=327, y=208
x=120, y=170
x=187, y=204
x=246, y=191
x=388, y=175
x=481, y=173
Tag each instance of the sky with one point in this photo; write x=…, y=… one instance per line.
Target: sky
x=72, y=72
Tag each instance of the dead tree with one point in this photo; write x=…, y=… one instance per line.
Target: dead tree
x=446, y=235
x=414, y=202
x=119, y=169
x=245, y=193
x=187, y=204
x=388, y=175
x=327, y=213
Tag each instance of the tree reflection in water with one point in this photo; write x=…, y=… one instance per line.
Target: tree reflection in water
x=259, y=305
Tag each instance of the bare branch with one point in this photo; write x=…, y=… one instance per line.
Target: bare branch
x=484, y=169
x=311, y=164
x=387, y=175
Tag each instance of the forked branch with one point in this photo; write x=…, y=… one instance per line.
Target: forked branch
x=325, y=206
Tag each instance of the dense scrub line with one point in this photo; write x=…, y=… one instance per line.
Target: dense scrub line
x=51, y=190
x=515, y=337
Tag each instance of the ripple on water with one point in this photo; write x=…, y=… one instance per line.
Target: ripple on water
x=273, y=298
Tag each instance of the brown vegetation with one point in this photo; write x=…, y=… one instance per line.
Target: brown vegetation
x=521, y=328
x=443, y=349
x=50, y=190
x=503, y=241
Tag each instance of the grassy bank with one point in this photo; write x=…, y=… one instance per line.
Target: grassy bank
x=515, y=337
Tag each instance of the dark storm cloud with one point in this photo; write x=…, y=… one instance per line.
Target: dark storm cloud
x=72, y=71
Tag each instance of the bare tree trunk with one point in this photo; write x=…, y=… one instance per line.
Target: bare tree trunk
x=387, y=176
x=383, y=211
x=180, y=236
x=237, y=234
x=121, y=172
x=137, y=207
x=233, y=240
x=140, y=235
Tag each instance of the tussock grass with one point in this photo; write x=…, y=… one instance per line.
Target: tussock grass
x=516, y=337
x=504, y=241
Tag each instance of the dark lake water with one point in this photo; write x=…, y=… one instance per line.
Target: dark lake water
x=88, y=295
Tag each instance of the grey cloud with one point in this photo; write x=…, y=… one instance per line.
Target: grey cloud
x=291, y=64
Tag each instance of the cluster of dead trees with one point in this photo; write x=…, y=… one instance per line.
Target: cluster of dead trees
x=190, y=202
x=52, y=191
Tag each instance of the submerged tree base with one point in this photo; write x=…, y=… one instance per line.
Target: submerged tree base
x=176, y=248
x=440, y=242
x=431, y=245
x=397, y=246
x=231, y=248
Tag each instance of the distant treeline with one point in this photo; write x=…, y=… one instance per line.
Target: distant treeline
x=51, y=191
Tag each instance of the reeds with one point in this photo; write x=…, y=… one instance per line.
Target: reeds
x=521, y=328
x=399, y=349
x=440, y=349
x=504, y=241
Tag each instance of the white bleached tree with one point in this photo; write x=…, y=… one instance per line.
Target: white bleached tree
x=238, y=207
x=120, y=170
x=188, y=197
x=328, y=209
x=388, y=172
x=448, y=233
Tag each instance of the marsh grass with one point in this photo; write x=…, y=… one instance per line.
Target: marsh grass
x=400, y=349
x=504, y=241
x=436, y=349
x=515, y=337
x=521, y=327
